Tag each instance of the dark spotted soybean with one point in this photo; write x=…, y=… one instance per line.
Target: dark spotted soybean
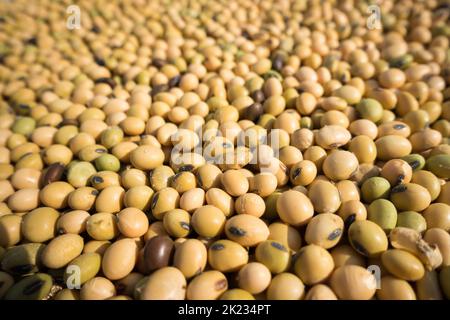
x=296, y=173
x=399, y=188
x=416, y=161
x=221, y=284
x=237, y=231
x=400, y=178
x=97, y=179
x=358, y=247
x=367, y=238
x=349, y=220
x=22, y=259
x=108, y=81
x=22, y=269
x=278, y=246
x=34, y=287
x=399, y=126
x=188, y=167
x=155, y=200
x=414, y=164
x=217, y=246
x=185, y=225
x=335, y=234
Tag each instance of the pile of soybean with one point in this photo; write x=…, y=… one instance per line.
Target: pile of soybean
x=335, y=127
